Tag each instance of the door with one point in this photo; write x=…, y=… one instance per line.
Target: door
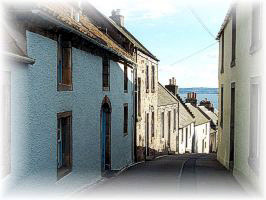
x=232, y=127
x=147, y=134
x=169, y=129
x=106, y=138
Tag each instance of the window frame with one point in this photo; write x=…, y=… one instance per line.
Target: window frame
x=125, y=121
x=152, y=124
x=162, y=124
x=147, y=79
x=153, y=79
x=254, y=143
x=222, y=56
x=105, y=59
x=125, y=78
x=68, y=169
x=256, y=43
x=61, y=45
x=222, y=106
x=139, y=96
x=233, y=53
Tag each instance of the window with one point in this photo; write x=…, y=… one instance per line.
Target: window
x=169, y=126
x=256, y=27
x=222, y=56
x=153, y=78
x=182, y=136
x=162, y=124
x=125, y=79
x=186, y=137
x=255, y=123
x=64, y=66
x=106, y=74
x=64, y=144
x=222, y=105
x=174, y=119
x=152, y=124
x=139, y=96
x=147, y=78
x=233, y=36
x=125, y=119
x=147, y=126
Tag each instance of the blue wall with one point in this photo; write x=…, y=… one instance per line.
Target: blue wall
x=36, y=102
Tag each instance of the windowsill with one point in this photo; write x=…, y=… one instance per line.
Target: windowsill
x=125, y=91
x=152, y=90
x=233, y=63
x=64, y=87
x=222, y=71
x=62, y=172
x=125, y=134
x=147, y=90
x=255, y=47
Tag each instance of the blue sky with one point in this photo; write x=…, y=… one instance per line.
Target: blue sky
x=171, y=32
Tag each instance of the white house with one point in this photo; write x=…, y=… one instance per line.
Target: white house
x=241, y=107
x=202, y=130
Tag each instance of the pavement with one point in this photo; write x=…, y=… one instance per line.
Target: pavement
x=188, y=175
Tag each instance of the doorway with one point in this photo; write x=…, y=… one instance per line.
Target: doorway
x=232, y=127
x=106, y=135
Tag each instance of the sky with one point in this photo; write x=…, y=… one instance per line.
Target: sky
x=170, y=30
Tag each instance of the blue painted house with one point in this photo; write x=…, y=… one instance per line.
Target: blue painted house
x=71, y=94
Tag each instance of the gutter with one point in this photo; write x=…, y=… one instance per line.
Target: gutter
x=70, y=29
x=18, y=58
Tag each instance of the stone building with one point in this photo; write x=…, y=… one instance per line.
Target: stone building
x=166, y=139
x=186, y=122
x=202, y=126
x=69, y=98
x=240, y=92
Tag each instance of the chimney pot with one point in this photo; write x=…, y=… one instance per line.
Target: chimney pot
x=117, y=17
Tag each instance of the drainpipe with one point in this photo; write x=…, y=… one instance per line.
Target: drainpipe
x=134, y=92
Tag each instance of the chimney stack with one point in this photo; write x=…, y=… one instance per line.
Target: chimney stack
x=192, y=98
x=172, y=87
x=117, y=17
x=207, y=104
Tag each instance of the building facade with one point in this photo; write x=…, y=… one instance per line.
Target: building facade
x=202, y=126
x=209, y=111
x=186, y=122
x=70, y=96
x=168, y=112
x=240, y=91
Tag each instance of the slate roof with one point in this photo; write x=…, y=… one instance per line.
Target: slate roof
x=210, y=114
x=59, y=13
x=185, y=117
x=63, y=13
x=165, y=97
x=200, y=117
x=125, y=33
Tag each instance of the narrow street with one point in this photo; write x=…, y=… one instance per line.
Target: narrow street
x=171, y=175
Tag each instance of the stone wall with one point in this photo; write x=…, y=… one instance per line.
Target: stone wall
x=148, y=104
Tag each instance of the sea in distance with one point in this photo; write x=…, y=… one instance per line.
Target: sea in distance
x=202, y=93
